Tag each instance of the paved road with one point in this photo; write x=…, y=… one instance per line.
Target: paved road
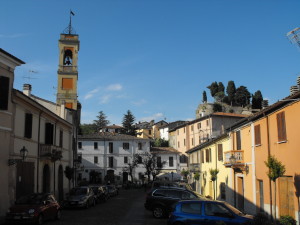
x=125, y=209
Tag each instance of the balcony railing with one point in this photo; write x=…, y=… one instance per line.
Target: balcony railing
x=51, y=152
x=234, y=157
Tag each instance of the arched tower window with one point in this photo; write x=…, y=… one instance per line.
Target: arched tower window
x=68, y=58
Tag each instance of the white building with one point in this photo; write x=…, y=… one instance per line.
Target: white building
x=107, y=154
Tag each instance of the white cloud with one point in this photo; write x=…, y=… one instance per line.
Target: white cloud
x=105, y=99
x=156, y=116
x=139, y=102
x=91, y=93
x=114, y=87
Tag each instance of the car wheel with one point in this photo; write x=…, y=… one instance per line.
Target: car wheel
x=58, y=215
x=158, y=212
x=40, y=220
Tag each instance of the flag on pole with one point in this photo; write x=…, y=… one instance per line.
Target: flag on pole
x=73, y=14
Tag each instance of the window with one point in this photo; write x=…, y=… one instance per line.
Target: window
x=69, y=105
x=139, y=159
x=111, y=147
x=202, y=156
x=171, y=162
x=149, y=132
x=215, y=209
x=28, y=125
x=49, y=128
x=67, y=83
x=199, y=126
x=220, y=152
x=95, y=145
x=140, y=146
x=257, y=134
x=126, y=145
x=192, y=127
x=192, y=141
x=80, y=145
x=208, y=155
x=125, y=159
x=193, y=208
x=183, y=142
x=158, y=162
x=111, y=162
x=95, y=159
x=281, y=127
x=207, y=123
x=4, y=91
x=183, y=159
x=79, y=158
x=238, y=140
x=178, y=144
x=61, y=138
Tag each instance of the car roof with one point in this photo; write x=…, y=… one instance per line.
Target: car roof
x=200, y=200
x=170, y=188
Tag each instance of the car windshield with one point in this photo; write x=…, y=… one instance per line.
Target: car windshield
x=78, y=191
x=34, y=199
x=236, y=211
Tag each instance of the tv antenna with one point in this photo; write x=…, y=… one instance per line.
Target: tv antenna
x=294, y=36
x=30, y=75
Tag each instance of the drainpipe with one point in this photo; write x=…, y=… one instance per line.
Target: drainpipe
x=54, y=142
x=269, y=154
x=216, y=148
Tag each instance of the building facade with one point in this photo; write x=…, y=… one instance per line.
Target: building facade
x=108, y=154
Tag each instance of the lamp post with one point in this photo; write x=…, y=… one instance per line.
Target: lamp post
x=23, y=153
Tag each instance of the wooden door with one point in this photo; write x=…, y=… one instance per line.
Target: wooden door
x=25, y=179
x=286, y=196
x=240, y=193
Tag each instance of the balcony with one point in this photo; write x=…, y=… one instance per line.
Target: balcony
x=234, y=158
x=51, y=152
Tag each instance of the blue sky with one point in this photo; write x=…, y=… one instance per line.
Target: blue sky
x=154, y=57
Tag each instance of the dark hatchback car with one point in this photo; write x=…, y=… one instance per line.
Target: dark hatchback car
x=34, y=208
x=206, y=212
x=100, y=194
x=162, y=200
x=80, y=197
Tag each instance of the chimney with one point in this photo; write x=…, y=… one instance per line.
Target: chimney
x=265, y=103
x=27, y=89
x=293, y=90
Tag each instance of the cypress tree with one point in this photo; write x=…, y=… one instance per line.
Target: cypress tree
x=231, y=90
x=204, y=97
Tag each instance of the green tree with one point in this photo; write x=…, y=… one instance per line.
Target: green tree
x=128, y=121
x=221, y=87
x=129, y=168
x=219, y=96
x=152, y=165
x=276, y=170
x=231, y=90
x=184, y=173
x=159, y=142
x=242, y=96
x=101, y=121
x=257, y=99
x=204, y=97
x=217, y=107
x=85, y=129
x=69, y=173
x=213, y=88
x=213, y=178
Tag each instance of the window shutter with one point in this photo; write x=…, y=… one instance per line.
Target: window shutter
x=49, y=134
x=4, y=91
x=281, y=126
x=202, y=156
x=220, y=152
x=238, y=140
x=28, y=125
x=207, y=155
x=257, y=135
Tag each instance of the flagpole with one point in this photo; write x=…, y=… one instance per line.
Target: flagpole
x=70, y=24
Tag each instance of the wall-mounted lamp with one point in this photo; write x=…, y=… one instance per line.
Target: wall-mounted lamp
x=23, y=153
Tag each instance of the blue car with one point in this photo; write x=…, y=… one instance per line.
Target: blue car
x=206, y=212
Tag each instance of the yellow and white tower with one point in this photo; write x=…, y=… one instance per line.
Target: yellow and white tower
x=68, y=70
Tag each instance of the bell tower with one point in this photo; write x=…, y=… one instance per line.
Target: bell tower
x=67, y=68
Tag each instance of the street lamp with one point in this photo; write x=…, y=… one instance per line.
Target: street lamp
x=23, y=153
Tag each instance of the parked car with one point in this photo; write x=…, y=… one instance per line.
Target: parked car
x=206, y=212
x=100, y=194
x=112, y=190
x=34, y=208
x=80, y=197
x=161, y=200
